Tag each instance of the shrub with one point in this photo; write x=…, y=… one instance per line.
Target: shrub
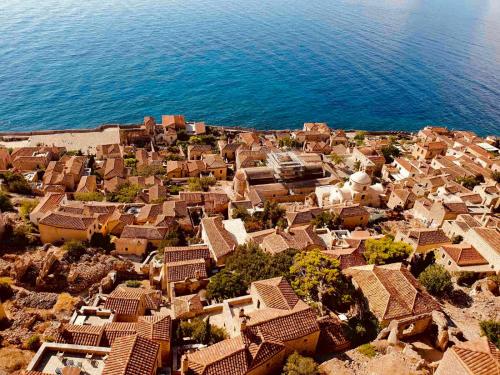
x=297, y=364
x=466, y=278
x=27, y=205
x=225, y=285
x=133, y=283
x=101, y=241
x=436, y=279
x=74, y=250
x=201, y=331
x=32, y=343
x=130, y=162
x=201, y=184
x=16, y=183
x=174, y=189
x=5, y=203
x=491, y=329
x=496, y=176
x=457, y=239
x=367, y=350
x=151, y=170
x=125, y=193
x=385, y=250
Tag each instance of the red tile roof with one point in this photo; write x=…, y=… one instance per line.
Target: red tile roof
x=132, y=355
x=465, y=255
x=186, y=269
x=67, y=221
x=155, y=327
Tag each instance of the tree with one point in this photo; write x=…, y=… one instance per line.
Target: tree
x=272, y=213
x=390, y=152
x=491, y=329
x=226, y=284
x=496, y=176
x=91, y=196
x=336, y=159
x=357, y=165
x=456, y=239
x=16, y=183
x=317, y=276
x=201, y=331
x=27, y=205
x=297, y=364
x=151, y=170
x=326, y=219
x=436, y=279
x=125, y=193
x=360, y=137
x=74, y=250
x=201, y=184
x=130, y=162
x=5, y=202
x=385, y=250
x=470, y=181
x=133, y=283
x=288, y=142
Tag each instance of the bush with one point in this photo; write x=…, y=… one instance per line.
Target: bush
x=436, y=279
x=125, y=193
x=368, y=350
x=27, y=205
x=74, y=250
x=151, y=170
x=491, y=329
x=201, y=331
x=5, y=203
x=466, y=278
x=130, y=162
x=201, y=184
x=93, y=196
x=32, y=343
x=16, y=183
x=133, y=283
x=101, y=241
x=226, y=284
x=496, y=176
x=385, y=250
x=297, y=364
x=456, y=239
x=6, y=291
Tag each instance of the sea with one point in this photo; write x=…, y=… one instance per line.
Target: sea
x=264, y=64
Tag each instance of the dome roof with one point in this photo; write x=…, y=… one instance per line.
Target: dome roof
x=361, y=178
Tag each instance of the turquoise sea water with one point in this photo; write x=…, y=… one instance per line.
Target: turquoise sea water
x=371, y=64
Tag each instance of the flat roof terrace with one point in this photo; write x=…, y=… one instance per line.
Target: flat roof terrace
x=52, y=358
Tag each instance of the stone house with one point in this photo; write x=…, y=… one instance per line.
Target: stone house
x=56, y=227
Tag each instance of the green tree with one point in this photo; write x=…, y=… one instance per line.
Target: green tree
x=27, y=205
x=385, y=250
x=496, y=176
x=336, y=159
x=201, y=184
x=288, y=142
x=16, y=183
x=491, y=329
x=133, y=283
x=436, y=279
x=130, y=162
x=74, y=250
x=317, y=277
x=326, y=219
x=359, y=137
x=91, y=196
x=5, y=202
x=151, y=170
x=226, y=284
x=390, y=152
x=125, y=193
x=272, y=213
x=470, y=181
x=297, y=364
x=201, y=331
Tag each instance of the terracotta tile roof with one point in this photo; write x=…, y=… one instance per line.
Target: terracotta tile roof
x=186, y=269
x=183, y=305
x=149, y=212
x=465, y=255
x=79, y=334
x=126, y=301
x=67, y=221
x=285, y=325
x=113, y=167
x=490, y=236
x=299, y=238
x=348, y=257
x=155, y=327
x=276, y=293
x=214, y=161
x=132, y=355
x=175, y=208
x=392, y=291
x=480, y=356
x=332, y=335
x=455, y=207
x=351, y=211
x=469, y=220
x=180, y=253
x=220, y=239
x=148, y=232
x=114, y=330
x=50, y=202
x=424, y=237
